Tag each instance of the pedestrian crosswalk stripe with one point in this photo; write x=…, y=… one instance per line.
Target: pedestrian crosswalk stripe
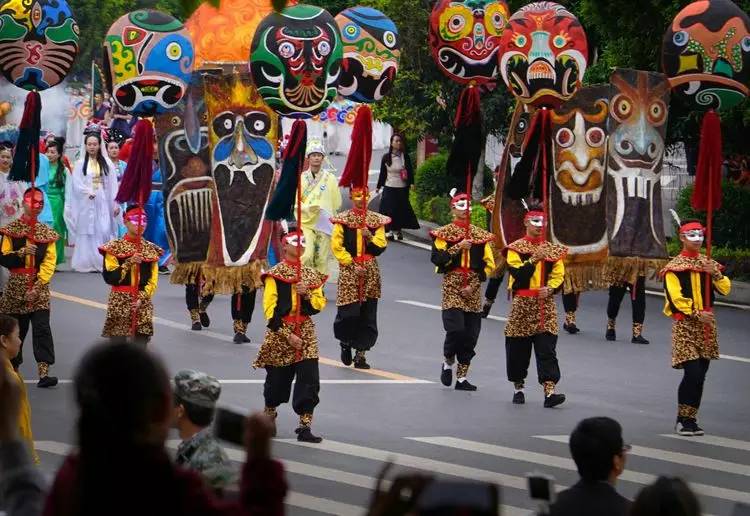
x=670, y=456
x=713, y=440
x=554, y=461
x=436, y=307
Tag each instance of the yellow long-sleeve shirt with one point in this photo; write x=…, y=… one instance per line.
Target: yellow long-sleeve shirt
x=516, y=264
x=24, y=417
x=46, y=267
x=488, y=256
x=691, y=301
x=112, y=264
x=343, y=256
x=271, y=298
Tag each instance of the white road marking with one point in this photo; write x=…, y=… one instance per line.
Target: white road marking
x=333, y=382
x=674, y=457
x=544, y=459
x=713, y=440
x=415, y=243
x=436, y=307
x=736, y=359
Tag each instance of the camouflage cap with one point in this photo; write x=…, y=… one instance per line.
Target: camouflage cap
x=196, y=387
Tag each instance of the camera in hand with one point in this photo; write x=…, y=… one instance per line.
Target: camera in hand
x=229, y=425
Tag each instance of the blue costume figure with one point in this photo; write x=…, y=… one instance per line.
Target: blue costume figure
x=41, y=181
x=156, y=231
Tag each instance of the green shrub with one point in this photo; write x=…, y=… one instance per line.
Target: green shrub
x=731, y=228
x=431, y=181
x=438, y=210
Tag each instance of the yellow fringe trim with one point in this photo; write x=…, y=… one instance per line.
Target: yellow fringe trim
x=185, y=273
x=230, y=280
x=621, y=269
x=580, y=277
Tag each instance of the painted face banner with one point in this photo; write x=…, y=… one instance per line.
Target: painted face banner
x=148, y=61
x=243, y=133
x=706, y=54
x=465, y=38
x=544, y=54
x=38, y=42
x=296, y=60
x=637, y=124
x=371, y=51
x=189, y=188
x=577, y=194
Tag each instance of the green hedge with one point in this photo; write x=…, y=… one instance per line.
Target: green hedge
x=735, y=261
x=731, y=228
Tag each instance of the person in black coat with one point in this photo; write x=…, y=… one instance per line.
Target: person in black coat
x=599, y=453
x=395, y=179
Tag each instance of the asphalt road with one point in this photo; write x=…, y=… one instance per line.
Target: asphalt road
x=400, y=411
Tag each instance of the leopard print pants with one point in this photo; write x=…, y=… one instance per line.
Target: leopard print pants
x=691, y=340
x=120, y=313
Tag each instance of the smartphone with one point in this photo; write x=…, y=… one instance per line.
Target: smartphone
x=541, y=487
x=229, y=425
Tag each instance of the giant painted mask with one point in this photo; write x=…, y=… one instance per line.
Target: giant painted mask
x=296, y=60
x=637, y=126
x=185, y=162
x=243, y=133
x=465, y=38
x=148, y=61
x=371, y=52
x=706, y=54
x=577, y=195
x=544, y=54
x=38, y=42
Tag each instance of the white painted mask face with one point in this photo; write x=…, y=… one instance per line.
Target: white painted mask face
x=695, y=236
x=461, y=205
x=537, y=222
x=295, y=240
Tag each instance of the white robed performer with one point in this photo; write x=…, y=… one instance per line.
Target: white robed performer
x=91, y=213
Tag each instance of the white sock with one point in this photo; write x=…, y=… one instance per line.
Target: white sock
x=461, y=380
x=517, y=390
x=446, y=366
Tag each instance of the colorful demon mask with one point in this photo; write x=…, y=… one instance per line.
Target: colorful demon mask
x=465, y=38
x=544, y=54
x=706, y=54
x=296, y=60
x=185, y=161
x=39, y=41
x=636, y=126
x=148, y=61
x=371, y=52
x=580, y=156
x=243, y=133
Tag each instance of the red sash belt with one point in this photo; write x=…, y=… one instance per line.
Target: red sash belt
x=295, y=319
x=122, y=288
x=23, y=270
x=364, y=258
x=526, y=292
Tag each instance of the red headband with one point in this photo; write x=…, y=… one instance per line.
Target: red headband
x=459, y=197
x=533, y=214
x=691, y=226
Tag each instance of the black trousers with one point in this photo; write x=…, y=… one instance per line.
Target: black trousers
x=193, y=299
x=356, y=324
x=493, y=285
x=278, y=386
x=570, y=302
x=41, y=337
x=637, y=298
x=518, y=357
x=461, y=334
x=690, y=391
x=243, y=304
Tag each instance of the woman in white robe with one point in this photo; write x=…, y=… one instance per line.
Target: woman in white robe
x=91, y=212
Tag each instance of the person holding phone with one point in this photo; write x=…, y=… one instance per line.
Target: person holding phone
x=292, y=294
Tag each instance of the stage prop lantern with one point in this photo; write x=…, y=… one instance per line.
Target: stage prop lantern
x=371, y=49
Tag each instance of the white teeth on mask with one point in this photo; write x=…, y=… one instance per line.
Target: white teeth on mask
x=581, y=198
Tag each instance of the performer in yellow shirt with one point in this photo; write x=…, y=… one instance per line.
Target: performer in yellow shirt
x=321, y=199
x=10, y=346
x=536, y=270
x=292, y=294
x=690, y=281
x=131, y=267
x=358, y=239
x=463, y=253
x=29, y=253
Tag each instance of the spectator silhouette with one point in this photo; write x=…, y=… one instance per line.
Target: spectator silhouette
x=666, y=497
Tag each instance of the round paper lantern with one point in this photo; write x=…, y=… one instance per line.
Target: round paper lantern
x=706, y=54
x=544, y=54
x=296, y=60
x=465, y=38
x=371, y=51
x=39, y=41
x=148, y=61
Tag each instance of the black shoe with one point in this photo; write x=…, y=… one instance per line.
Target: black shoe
x=465, y=386
x=686, y=427
x=196, y=326
x=519, y=398
x=639, y=340
x=486, y=310
x=446, y=376
x=346, y=355
x=610, y=335
x=554, y=400
x=47, y=381
x=305, y=435
x=241, y=338
x=400, y=235
x=361, y=363
x=163, y=269
x=571, y=328
x=205, y=320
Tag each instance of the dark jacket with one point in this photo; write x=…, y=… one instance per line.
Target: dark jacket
x=590, y=499
x=384, y=170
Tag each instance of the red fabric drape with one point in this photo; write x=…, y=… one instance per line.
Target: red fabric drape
x=707, y=192
x=356, y=170
x=136, y=181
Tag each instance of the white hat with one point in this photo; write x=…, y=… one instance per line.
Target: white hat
x=315, y=145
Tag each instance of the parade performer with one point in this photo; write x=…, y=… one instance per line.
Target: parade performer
x=321, y=199
x=463, y=254
x=58, y=177
x=91, y=212
x=131, y=267
x=29, y=253
x=536, y=270
x=691, y=280
x=289, y=352
x=496, y=278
